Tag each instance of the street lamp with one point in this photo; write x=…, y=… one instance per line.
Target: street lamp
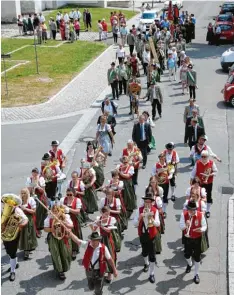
x=4, y=56
x=35, y=48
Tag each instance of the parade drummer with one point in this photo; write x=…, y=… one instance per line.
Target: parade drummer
x=135, y=157
x=195, y=153
x=95, y=261
x=11, y=245
x=57, y=154
x=147, y=221
x=193, y=224
x=205, y=169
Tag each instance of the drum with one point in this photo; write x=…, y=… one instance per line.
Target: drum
x=134, y=87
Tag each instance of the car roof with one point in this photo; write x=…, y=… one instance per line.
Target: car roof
x=224, y=23
x=228, y=3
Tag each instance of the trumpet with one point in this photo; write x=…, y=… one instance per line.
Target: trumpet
x=147, y=214
x=188, y=229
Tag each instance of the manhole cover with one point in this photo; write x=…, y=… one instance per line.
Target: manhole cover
x=227, y=190
x=87, y=139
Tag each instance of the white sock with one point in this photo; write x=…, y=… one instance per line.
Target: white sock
x=172, y=190
x=151, y=268
x=208, y=205
x=13, y=264
x=135, y=187
x=189, y=261
x=146, y=260
x=196, y=270
x=164, y=207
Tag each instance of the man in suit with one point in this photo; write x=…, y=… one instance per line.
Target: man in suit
x=141, y=135
x=199, y=120
x=194, y=131
x=192, y=81
x=188, y=110
x=112, y=77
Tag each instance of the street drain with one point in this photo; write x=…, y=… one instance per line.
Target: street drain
x=227, y=190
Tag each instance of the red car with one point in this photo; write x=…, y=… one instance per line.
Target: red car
x=227, y=31
x=225, y=18
x=228, y=92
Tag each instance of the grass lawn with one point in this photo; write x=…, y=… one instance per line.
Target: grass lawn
x=97, y=13
x=57, y=66
x=8, y=64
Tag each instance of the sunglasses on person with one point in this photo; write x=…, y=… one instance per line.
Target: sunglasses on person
x=204, y=157
x=69, y=195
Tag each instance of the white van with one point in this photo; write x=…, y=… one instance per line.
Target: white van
x=148, y=17
x=227, y=59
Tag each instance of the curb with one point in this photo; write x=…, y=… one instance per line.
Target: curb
x=231, y=246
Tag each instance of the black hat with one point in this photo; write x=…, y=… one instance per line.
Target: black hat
x=149, y=196
x=35, y=170
x=191, y=205
x=55, y=142
x=112, y=64
x=46, y=156
x=203, y=136
x=94, y=236
x=169, y=146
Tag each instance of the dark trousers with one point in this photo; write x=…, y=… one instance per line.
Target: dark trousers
x=95, y=281
x=192, y=248
x=142, y=145
x=77, y=33
x=165, y=187
x=208, y=187
x=156, y=103
x=123, y=86
x=58, y=25
x=217, y=39
x=115, y=36
x=148, y=247
x=192, y=92
x=88, y=24
x=11, y=247
x=114, y=87
x=50, y=189
x=145, y=67
x=120, y=59
x=54, y=34
x=172, y=181
x=135, y=176
x=131, y=49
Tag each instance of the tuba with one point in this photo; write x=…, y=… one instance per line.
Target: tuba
x=48, y=172
x=57, y=229
x=9, y=220
x=146, y=212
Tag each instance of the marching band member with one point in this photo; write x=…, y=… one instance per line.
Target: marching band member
x=58, y=242
x=172, y=159
x=201, y=205
x=28, y=239
x=95, y=261
x=126, y=172
x=200, y=190
x=195, y=153
x=193, y=224
x=135, y=157
x=147, y=221
x=161, y=171
x=36, y=185
x=10, y=208
x=205, y=170
x=51, y=172
x=57, y=154
x=73, y=206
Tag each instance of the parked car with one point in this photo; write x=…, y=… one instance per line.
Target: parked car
x=227, y=7
x=227, y=59
x=228, y=92
x=231, y=70
x=225, y=18
x=227, y=31
x=149, y=16
x=179, y=4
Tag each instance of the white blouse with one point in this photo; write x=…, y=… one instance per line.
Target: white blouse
x=78, y=203
x=118, y=186
x=130, y=170
x=118, y=204
x=41, y=182
x=106, y=127
x=203, y=192
x=82, y=186
x=31, y=202
x=67, y=220
x=158, y=201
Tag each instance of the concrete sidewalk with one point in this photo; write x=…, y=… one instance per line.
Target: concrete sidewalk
x=79, y=94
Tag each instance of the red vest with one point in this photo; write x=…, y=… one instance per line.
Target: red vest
x=134, y=158
x=151, y=230
x=88, y=256
x=198, y=151
x=162, y=176
x=125, y=171
x=57, y=156
x=207, y=168
x=196, y=223
x=73, y=216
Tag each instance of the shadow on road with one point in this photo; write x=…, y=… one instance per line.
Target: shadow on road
x=45, y=262
x=220, y=72
x=133, y=245
x=203, y=51
x=222, y=105
x=181, y=102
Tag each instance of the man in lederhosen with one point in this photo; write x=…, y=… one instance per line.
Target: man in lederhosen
x=147, y=223
x=193, y=224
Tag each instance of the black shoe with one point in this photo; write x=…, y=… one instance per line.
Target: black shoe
x=26, y=255
x=173, y=198
x=160, y=116
x=152, y=279
x=12, y=276
x=130, y=113
x=74, y=255
x=196, y=279
x=154, y=118
x=207, y=214
x=107, y=281
x=164, y=215
x=146, y=268
x=110, y=154
x=188, y=268
x=143, y=167
x=147, y=99
x=16, y=267
x=62, y=276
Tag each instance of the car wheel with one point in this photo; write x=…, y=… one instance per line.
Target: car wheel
x=232, y=101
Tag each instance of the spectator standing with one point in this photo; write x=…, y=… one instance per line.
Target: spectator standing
x=77, y=28
x=217, y=35
x=66, y=17
x=41, y=18
x=84, y=17
x=88, y=20
x=104, y=29
x=50, y=21
x=78, y=14
x=62, y=29
x=71, y=31
x=67, y=31
x=58, y=19
x=123, y=34
x=115, y=31
x=44, y=32
x=171, y=66
x=100, y=30
x=120, y=53
x=131, y=42
x=71, y=14
x=30, y=24
x=53, y=28
x=20, y=24
x=25, y=24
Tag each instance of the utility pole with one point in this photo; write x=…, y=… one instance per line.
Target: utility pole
x=4, y=56
x=35, y=48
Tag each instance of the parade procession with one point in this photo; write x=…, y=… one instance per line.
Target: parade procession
x=125, y=195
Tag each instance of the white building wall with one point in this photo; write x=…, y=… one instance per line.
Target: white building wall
x=10, y=11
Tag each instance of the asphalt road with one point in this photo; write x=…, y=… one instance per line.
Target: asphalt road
x=36, y=275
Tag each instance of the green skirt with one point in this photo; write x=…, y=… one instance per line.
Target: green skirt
x=158, y=243
x=107, y=243
x=90, y=200
x=117, y=240
x=152, y=144
x=60, y=253
x=100, y=178
x=41, y=214
x=76, y=231
x=28, y=238
x=204, y=243
x=129, y=195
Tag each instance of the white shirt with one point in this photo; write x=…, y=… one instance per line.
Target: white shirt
x=120, y=52
x=169, y=157
x=158, y=201
x=183, y=225
x=150, y=122
x=130, y=170
x=208, y=149
x=71, y=14
x=31, y=202
x=203, y=205
x=29, y=183
x=58, y=17
x=146, y=57
x=116, y=186
x=42, y=19
x=218, y=30
x=118, y=204
x=66, y=17
x=142, y=138
x=145, y=219
x=96, y=253
x=100, y=28
x=106, y=127
x=194, y=172
x=91, y=171
x=82, y=186
x=108, y=108
x=202, y=193
x=78, y=203
x=67, y=220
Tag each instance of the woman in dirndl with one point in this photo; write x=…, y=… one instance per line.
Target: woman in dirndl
x=59, y=246
x=105, y=137
x=73, y=206
x=109, y=233
x=28, y=239
x=126, y=172
x=36, y=186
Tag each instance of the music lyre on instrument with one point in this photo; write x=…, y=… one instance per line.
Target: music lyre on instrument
x=206, y=175
x=147, y=214
x=188, y=229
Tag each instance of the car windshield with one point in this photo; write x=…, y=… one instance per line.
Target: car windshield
x=149, y=15
x=228, y=6
x=225, y=27
x=225, y=17
x=230, y=79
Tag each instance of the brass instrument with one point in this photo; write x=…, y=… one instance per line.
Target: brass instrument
x=171, y=170
x=188, y=229
x=9, y=221
x=147, y=213
x=58, y=230
x=48, y=172
x=206, y=175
